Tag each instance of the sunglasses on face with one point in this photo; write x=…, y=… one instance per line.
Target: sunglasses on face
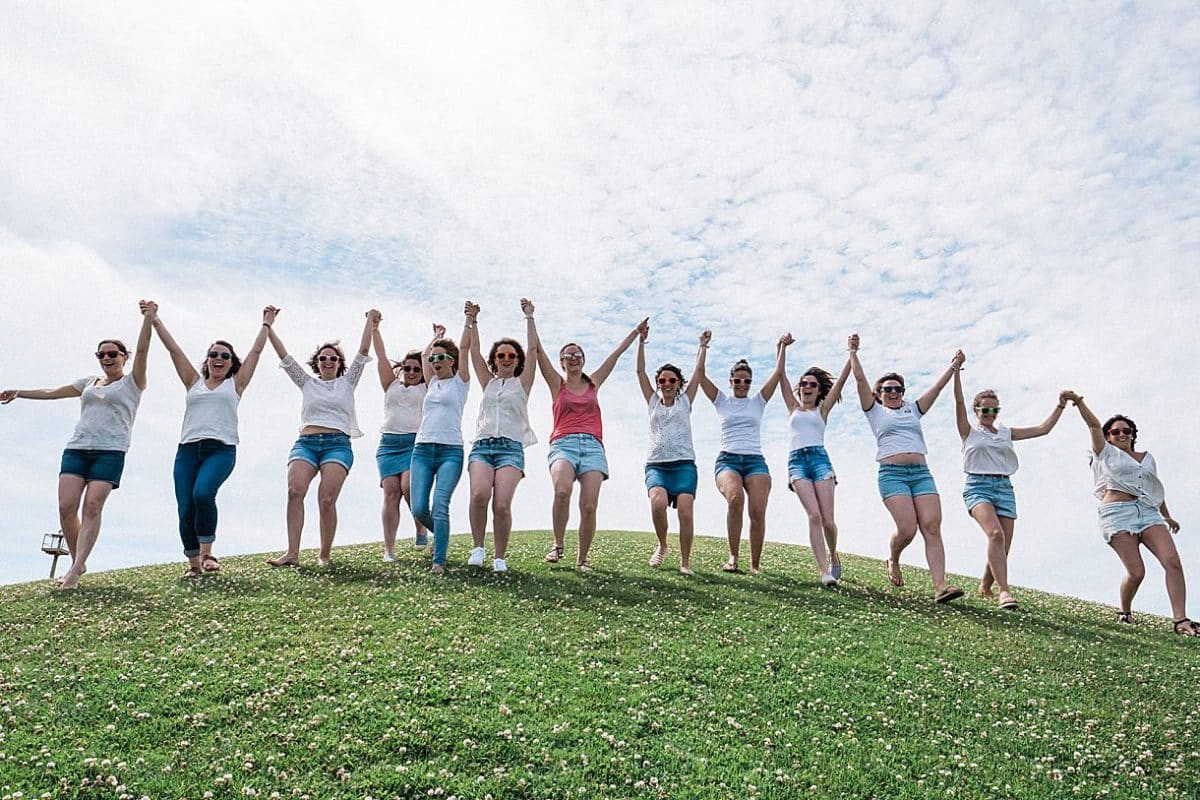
x=891, y=389
x=410, y=369
x=109, y=353
x=667, y=381
x=572, y=356
x=809, y=384
x=988, y=409
x=740, y=381
x=506, y=356
x=436, y=357
x=220, y=355
x=323, y=359
x=1120, y=431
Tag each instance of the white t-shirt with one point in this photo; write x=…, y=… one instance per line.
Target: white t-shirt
x=987, y=453
x=808, y=429
x=670, y=430
x=741, y=423
x=402, y=407
x=441, y=419
x=106, y=418
x=504, y=412
x=328, y=404
x=211, y=413
x=1113, y=468
x=896, y=430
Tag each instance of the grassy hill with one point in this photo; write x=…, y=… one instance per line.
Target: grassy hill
x=378, y=680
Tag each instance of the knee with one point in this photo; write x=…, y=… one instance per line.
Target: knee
x=562, y=494
x=391, y=495
x=995, y=535
x=758, y=516
x=815, y=520
x=297, y=491
x=736, y=500
x=326, y=502
x=1135, y=574
x=1173, y=563
x=67, y=510
x=829, y=526
x=587, y=508
x=501, y=509
x=479, y=498
x=686, y=516
x=658, y=503
x=92, y=508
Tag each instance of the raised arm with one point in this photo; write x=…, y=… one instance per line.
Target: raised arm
x=835, y=391
x=250, y=362
x=772, y=381
x=465, y=341
x=960, y=409
x=187, y=373
x=387, y=373
x=866, y=396
x=789, y=399
x=699, y=370
x=369, y=328
x=149, y=310
x=483, y=372
x=601, y=373
x=643, y=378
x=1089, y=419
x=8, y=395
x=545, y=365
x=532, y=347
x=439, y=332
x=926, y=401
x=276, y=342
x=1047, y=424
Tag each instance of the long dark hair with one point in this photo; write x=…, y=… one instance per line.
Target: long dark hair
x=515, y=345
x=1108, y=423
x=235, y=363
x=411, y=355
x=587, y=378
x=824, y=381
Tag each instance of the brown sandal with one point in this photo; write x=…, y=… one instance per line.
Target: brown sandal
x=210, y=564
x=1185, y=627
x=554, y=556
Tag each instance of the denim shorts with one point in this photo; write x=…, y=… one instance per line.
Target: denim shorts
x=394, y=456
x=907, y=479
x=323, y=448
x=994, y=489
x=94, y=465
x=497, y=452
x=1128, y=517
x=742, y=463
x=677, y=477
x=582, y=451
x=809, y=464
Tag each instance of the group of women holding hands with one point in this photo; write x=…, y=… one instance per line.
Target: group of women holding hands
x=421, y=452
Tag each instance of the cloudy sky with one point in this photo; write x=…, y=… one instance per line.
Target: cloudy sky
x=1016, y=181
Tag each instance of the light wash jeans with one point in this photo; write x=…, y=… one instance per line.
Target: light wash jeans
x=436, y=469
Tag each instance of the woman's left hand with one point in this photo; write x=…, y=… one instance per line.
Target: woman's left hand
x=959, y=359
x=1172, y=525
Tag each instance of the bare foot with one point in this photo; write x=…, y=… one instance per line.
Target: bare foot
x=686, y=570
x=437, y=569
x=284, y=561
x=894, y=573
x=69, y=581
x=986, y=591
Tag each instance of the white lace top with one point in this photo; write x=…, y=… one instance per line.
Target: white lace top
x=670, y=430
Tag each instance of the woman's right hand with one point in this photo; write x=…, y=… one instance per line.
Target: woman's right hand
x=149, y=308
x=8, y=395
x=958, y=360
x=269, y=314
x=852, y=343
x=643, y=329
x=1068, y=395
x=705, y=337
x=439, y=331
x=527, y=306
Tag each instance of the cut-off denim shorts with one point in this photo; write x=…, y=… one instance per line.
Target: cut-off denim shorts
x=94, y=465
x=323, y=448
x=676, y=477
x=394, y=456
x=809, y=464
x=744, y=464
x=582, y=451
x=994, y=489
x=907, y=479
x=1129, y=516
x=499, y=451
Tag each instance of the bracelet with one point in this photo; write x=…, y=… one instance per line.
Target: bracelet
x=1060, y=408
x=266, y=324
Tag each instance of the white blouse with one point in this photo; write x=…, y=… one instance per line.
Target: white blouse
x=670, y=430
x=441, y=417
x=987, y=453
x=504, y=412
x=328, y=404
x=1113, y=468
x=402, y=407
x=106, y=418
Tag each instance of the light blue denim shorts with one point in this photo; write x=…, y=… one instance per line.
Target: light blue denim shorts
x=394, y=456
x=582, y=451
x=499, y=451
x=323, y=448
x=1128, y=517
x=809, y=464
x=744, y=464
x=994, y=489
x=676, y=477
x=907, y=479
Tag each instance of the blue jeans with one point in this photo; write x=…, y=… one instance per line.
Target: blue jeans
x=436, y=469
x=200, y=469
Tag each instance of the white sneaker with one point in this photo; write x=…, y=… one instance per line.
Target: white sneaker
x=476, y=559
x=499, y=565
x=828, y=580
x=388, y=557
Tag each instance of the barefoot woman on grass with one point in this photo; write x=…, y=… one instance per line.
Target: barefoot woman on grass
x=576, y=443
x=671, y=476
x=1133, y=512
x=327, y=422
x=810, y=473
x=208, y=443
x=742, y=476
x=989, y=459
x=94, y=458
x=905, y=483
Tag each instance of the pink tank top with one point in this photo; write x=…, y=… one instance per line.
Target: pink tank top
x=577, y=413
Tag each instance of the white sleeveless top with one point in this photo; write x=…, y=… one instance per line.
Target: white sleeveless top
x=1113, y=468
x=106, y=419
x=402, y=407
x=504, y=412
x=987, y=453
x=211, y=413
x=897, y=430
x=670, y=430
x=808, y=429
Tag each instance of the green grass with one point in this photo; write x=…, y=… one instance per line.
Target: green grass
x=377, y=680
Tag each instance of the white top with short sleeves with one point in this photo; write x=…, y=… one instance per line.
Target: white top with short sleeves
x=896, y=430
x=1113, y=468
x=741, y=423
x=808, y=429
x=987, y=453
x=106, y=419
x=328, y=404
x=504, y=412
x=670, y=430
x=402, y=407
x=211, y=413
x=441, y=419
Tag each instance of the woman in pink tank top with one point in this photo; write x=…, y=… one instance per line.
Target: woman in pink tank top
x=576, y=443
